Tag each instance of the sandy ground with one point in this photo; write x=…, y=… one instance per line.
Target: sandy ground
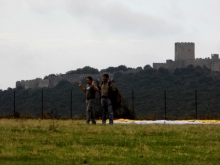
x=180, y=122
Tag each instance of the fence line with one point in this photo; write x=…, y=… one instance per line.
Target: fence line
x=136, y=112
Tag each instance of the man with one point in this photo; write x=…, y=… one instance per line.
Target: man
x=90, y=99
x=106, y=105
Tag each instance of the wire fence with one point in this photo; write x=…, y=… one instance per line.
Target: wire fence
x=183, y=105
x=152, y=105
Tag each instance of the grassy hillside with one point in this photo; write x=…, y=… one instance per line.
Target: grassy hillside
x=149, y=102
x=180, y=86
x=56, y=102
x=70, y=142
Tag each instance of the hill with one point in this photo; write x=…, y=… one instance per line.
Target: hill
x=180, y=86
x=148, y=86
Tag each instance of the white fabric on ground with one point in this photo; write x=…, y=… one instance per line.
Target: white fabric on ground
x=175, y=122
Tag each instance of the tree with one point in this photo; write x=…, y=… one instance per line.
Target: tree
x=163, y=71
x=85, y=70
x=139, y=68
x=122, y=68
x=147, y=67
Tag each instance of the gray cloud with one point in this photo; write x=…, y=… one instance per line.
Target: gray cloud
x=115, y=17
x=108, y=16
x=54, y=36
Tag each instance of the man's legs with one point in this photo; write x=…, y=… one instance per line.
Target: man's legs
x=103, y=106
x=92, y=111
x=110, y=111
x=88, y=112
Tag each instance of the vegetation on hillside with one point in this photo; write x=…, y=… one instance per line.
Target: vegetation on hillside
x=85, y=70
x=116, y=69
x=148, y=86
x=91, y=70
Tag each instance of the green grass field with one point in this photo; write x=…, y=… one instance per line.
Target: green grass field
x=67, y=142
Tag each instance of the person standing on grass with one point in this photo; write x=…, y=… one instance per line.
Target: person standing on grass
x=106, y=106
x=90, y=91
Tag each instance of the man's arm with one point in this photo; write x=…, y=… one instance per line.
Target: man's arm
x=95, y=87
x=82, y=88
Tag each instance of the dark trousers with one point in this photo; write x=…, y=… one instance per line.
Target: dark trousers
x=107, y=107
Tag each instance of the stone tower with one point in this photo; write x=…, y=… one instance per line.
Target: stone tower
x=184, y=51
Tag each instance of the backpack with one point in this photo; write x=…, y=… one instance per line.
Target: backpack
x=115, y=97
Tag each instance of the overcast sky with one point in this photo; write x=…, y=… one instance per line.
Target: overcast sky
x=41, y=37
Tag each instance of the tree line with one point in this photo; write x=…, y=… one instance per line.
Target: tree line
x=148, y=86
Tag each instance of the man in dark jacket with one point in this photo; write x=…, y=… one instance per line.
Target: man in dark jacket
x=90, y=91
x=106, y=87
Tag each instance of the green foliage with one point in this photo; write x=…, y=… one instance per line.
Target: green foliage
x=139, y=68
x=116, y=69
x=180, y=86
x=148, y=85
x=85, y=70
x=147, y=67
x=29, y=104
x=50, y=75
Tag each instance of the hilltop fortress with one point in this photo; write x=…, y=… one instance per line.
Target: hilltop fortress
x=185, y=55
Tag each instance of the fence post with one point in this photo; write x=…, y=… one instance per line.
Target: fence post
x=196, y=103
x=42, y=101
x=71, y=104
x=14, y=103
x=165, y=104
x=133, y=116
